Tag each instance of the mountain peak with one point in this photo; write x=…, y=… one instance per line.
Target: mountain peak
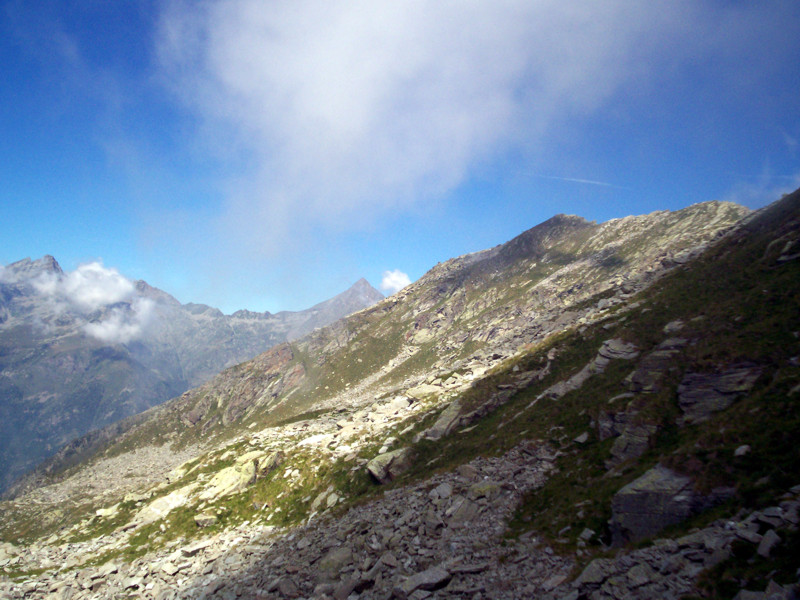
x=27, y=268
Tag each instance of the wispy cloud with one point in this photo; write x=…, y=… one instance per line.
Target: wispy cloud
x=760, y=190
x=335, y=113
x=394, y=281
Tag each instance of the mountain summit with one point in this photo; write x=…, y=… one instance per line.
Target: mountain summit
x=84, y=349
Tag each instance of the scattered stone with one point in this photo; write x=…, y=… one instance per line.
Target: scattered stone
x=673, y=327
x=582, y=438
x=742, y=450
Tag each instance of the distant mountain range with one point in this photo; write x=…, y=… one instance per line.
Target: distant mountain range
x=83, y=349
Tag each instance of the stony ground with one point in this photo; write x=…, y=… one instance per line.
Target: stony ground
x=442, y=538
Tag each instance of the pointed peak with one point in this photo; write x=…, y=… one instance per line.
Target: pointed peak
x=28, y=269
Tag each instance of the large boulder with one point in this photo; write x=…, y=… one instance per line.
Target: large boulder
x=655, y=500
x=231, y=479
x=701, y=394
x=389, y=465
x=161, y=507
x=446, y=422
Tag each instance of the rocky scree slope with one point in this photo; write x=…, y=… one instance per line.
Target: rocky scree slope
x=58, y=381
x=509, y=475
x=450, y=327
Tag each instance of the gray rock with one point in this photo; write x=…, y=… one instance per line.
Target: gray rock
x=205, y=520
x=618, y=349
x=768, y=542
x=389, y=465
x=700, y=394
x=582, y=438
x=334, y=561
x=655, y=500
x=749, y=536
x=632, y=443
x=430, y=579
x=595, y=573
x=446, y=422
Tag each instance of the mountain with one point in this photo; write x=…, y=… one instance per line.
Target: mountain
x=81, y=350
x=587, y=411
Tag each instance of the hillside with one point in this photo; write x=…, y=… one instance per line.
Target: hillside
x=82, y=350
x=597, y=411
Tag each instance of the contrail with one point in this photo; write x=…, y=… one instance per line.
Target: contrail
x=586, y=181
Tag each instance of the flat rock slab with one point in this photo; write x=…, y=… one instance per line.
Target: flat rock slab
x=430, y=579
x=701, y=394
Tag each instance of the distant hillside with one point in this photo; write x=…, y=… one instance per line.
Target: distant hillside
x=81, y=350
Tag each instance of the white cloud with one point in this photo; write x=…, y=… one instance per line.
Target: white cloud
x=122, y=324
x=394, y=281
x=91, y=288
x=346, y=110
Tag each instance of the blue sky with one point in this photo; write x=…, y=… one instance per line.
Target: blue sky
x=266, y=155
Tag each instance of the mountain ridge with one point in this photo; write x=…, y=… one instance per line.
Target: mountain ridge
x=83, y=349
x=611, y=414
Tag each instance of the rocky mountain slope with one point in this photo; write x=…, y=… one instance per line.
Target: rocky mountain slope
x=81, y=350
x=587, y=411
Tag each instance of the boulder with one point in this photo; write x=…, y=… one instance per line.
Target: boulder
x=610, y=350
x=701, y=394
x=768, y=542
x=655, y=500
x=160, y=507
x=421, y=392
x=618, y=349
x=237, y=477
x=446, y=422
x=651, y=369
x=632, y=443
x=387, y=466
x=336, y=559
x=205, y=520
x=268, y=463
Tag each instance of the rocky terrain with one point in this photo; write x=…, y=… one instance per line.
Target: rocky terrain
x=84, y=349
x=586, y=411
